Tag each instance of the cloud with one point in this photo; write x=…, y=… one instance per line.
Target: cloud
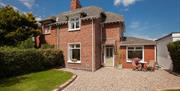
x=143, y=30
x=126, y=3
x=28, y=3
x=3, y=5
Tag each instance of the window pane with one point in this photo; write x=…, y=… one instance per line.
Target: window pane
x=72, y=25
x=77, y=45
x=134, y=54
x=130, y=54
x=77, y=24
x=71, y=46
x=107, y=52
x=76, y=54
x=139, y=48
x=131, y=48
x=138, y=54
x=111, y=52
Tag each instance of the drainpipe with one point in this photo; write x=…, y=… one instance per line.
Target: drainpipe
x=58, y=28
x=93, y=65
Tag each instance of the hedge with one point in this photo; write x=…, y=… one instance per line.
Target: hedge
x=174, y=49
x=15, y=62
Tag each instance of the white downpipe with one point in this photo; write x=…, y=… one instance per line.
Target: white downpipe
x=93, y=66
x=155, y=56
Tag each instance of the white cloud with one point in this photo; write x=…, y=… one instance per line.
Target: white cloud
x=2, y=4
x=28, y=3
x=143, y=30
x=38, y=18
x=126, y=3
x=15, y=8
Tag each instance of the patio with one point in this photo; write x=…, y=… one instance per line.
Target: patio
x=111, y=79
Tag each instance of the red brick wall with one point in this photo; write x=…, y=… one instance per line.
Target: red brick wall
x=148, y=55
x=51, y=38
x=97, y=52
x=84, y=36
x=113, y=31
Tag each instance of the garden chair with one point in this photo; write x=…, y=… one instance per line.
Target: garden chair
x=151, y=65
x=136, y=65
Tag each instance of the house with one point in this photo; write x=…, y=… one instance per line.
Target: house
x=91, y=38
x=163, y=57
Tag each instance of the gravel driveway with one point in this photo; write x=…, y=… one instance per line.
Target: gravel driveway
x=111, y=79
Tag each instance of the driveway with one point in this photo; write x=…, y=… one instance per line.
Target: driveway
x=111, y=79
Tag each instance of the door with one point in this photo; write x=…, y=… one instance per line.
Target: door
x=109, y=56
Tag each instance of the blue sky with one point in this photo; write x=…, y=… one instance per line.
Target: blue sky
x=143, y=18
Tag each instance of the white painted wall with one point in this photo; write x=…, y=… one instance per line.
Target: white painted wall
x=163, y=57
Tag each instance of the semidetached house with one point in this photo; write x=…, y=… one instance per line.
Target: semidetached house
x=91, y=38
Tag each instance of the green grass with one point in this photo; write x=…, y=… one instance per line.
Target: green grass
x=40, y=81
x=172, y=90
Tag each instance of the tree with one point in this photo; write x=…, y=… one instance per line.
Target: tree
x=16, y=26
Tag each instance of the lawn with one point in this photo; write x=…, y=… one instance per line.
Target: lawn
x=40, y=81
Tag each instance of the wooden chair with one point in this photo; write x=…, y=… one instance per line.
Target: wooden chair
x=151, y=65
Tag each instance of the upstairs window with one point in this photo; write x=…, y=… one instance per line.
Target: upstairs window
x=47, y=30
x=74, y=23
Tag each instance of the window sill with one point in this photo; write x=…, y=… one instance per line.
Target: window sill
x=46, y=33
x=71, y=30
x=128, y=61
x=78, y=62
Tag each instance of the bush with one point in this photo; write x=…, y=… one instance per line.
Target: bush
x=16, y=61
x=29, y=43
x=174, y=49
x=47, y=46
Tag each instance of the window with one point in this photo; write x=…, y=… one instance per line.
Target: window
x=47, y=30
x=74, y=23
x=74, y=53
x=133, y=52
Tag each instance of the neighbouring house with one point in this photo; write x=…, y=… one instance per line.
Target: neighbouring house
x=163, y=57
x=91, y=38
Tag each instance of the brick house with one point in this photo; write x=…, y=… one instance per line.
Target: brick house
x=91, y=38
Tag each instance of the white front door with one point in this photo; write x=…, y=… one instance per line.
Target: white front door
x=109, y=56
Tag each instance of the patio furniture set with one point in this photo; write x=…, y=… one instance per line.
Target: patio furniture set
x=139, y=65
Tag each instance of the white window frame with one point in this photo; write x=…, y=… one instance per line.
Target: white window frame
x=127, y=47
x=69, y=59
x=70, y=22
x=47, y=29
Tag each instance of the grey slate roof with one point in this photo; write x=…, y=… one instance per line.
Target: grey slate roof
x=89, y=12
x=136, y=41
x=112, y=17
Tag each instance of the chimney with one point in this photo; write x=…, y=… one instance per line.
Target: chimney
x=75, y=4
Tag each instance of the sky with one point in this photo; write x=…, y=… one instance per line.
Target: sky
x=150, y=19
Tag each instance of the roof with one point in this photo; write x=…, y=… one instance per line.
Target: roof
x=136, y=41
x=90, y=12
x=167, y=36
x=112, y=17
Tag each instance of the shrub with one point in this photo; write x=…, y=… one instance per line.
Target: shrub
x=47, y=46
x=29, y=43
x=17, y=61
x=174, y=49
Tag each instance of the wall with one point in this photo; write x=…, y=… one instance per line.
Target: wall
x=84, y=36
x=149, y=54
x=113, y=31
x=163, y=57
